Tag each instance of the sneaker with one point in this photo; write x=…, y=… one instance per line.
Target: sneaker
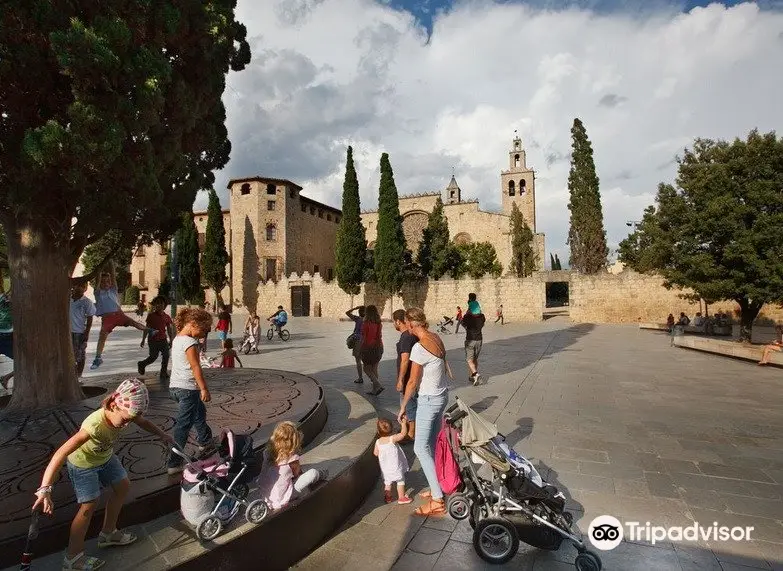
x=477, y=379
x=140, y=367
x=359, y=381
x=97, y=362
x=404, y=500
x=171, y=470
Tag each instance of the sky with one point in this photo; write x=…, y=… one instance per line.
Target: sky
x=442, y=86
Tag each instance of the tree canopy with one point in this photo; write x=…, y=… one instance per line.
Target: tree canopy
x=215, y=256
x=524, y=259
x=111, y=118
x=111, y=247
x=586, y=234
x=477, y=259
x=719, y=231
x=436, y=256
x=351, y=245
x=389, y=254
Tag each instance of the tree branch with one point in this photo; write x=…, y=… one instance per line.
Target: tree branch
x=88, y=277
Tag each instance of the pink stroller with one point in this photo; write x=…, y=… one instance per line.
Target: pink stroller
x=226, y=473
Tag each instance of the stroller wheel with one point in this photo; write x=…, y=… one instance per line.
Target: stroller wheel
x=247, y=349
x=240, y=491
x=458, y=506
x=495, y=540
x=587, y=561
x=256, y=511
x=475, y=514
x=209, y=527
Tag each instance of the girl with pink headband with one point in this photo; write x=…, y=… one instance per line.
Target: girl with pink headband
x=92, y=465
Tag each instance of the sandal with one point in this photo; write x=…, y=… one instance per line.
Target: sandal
x=82, y=563
x=116, y=537
x=432, y=508
x=359, y=381
x=376, y=392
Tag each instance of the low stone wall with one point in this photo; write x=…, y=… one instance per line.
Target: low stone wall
x=626, y=297
x=630, y=297
x=522, y=299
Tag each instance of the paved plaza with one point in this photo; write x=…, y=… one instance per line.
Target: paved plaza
x=623, y=423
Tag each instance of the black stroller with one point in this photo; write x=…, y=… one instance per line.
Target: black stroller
x=226, y=473
x=516, y=504
x=444, y=325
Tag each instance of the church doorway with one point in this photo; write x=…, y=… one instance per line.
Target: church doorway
x=300, y=301
x=557, y=299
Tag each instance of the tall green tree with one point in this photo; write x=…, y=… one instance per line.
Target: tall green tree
x=389, y=255
x=351, y=245
x=557, y=263
x=188, y=258
x=719, y=231
x=477, y=260
x=112, y=118
x=586, y=234
x=552, y=261
x=524, y=259
x=111, y=247
x=436, y=255
x=214, y=259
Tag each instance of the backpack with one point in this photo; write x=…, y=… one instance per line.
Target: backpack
x=446, y=467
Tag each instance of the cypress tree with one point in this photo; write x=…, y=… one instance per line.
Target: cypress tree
x=523, y=256
x=557, y=262
x=586, y=235
x=552, y=261
x=435, y=255
x=188, y=258
x=215, y=257
x=390, y=245
x=350, y=248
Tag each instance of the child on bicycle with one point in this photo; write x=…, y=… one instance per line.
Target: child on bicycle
x=279, y=318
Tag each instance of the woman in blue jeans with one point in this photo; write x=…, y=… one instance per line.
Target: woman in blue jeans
x=429, y=377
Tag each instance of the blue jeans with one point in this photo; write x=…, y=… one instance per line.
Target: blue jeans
x=429, y=415
x=192, y=413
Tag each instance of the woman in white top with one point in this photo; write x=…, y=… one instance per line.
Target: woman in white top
x=428, y=377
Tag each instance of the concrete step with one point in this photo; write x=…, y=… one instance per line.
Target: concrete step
x=344, y=448
x=728, y=348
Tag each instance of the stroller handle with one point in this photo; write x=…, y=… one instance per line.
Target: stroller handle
x=181, y=454
x=459, y=415
x=452, y=408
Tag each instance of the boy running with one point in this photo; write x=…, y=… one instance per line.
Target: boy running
x=158, y=321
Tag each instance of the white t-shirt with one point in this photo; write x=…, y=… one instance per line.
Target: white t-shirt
x=181, y=373
x=433, y=380
x=81, y=309
x=107, y=301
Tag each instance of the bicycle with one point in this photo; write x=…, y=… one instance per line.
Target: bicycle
x=282, y=333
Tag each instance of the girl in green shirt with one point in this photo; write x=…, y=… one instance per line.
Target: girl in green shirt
x=92, y=465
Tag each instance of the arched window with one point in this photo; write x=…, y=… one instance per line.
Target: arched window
x=516, y=161
x=245, y=189
x=271, y=189
x=271, y=232
x=522, y=186
x=511, y=190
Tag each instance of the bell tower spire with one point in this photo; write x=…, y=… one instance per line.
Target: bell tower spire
x=517, y=184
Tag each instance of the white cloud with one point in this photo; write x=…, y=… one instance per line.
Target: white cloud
x=327, y=73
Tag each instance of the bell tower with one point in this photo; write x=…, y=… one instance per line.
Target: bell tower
x=518, y=184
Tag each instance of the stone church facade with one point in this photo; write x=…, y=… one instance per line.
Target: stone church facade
x=467, y=222
x=273, y=231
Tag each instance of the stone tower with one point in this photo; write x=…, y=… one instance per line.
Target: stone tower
x=453, y=192
x=518, y=184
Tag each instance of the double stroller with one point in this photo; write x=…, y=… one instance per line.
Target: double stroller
x=510, y=502
x=223, y=476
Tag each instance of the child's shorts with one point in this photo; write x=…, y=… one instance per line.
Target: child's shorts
x=222, y=335
x=88, y=482
x=116, y=319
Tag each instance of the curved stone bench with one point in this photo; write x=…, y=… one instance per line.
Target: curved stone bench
x=344, y=447
x=728, y=349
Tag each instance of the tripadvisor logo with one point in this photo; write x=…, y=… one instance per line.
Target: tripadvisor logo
x=607, y=532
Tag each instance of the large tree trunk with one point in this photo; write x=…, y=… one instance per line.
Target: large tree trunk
x=749, y=310
x=44, y=373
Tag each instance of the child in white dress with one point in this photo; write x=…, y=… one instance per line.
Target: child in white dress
x=392, y=459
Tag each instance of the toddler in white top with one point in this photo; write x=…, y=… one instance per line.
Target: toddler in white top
x=392, y=459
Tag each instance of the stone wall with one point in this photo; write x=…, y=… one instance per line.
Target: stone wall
x=628, y=297
x=522, y=299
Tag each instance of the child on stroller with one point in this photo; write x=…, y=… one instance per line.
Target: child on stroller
x=226, y=473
